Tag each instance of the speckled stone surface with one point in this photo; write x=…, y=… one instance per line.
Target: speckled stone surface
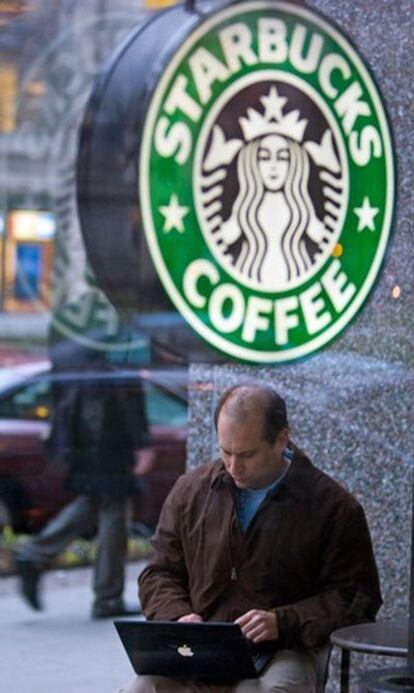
x=351, y=406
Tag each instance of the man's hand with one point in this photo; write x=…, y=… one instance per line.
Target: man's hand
x=258, y=625
x=144, y=460
x=190, y=618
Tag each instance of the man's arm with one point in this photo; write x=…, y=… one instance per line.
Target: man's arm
x=132, y=399
x=163, y=583
x=348, y=591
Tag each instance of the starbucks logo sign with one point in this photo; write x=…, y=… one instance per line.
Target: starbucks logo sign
x=266, y=181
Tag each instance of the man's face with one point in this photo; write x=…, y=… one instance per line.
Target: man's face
x=252, y=462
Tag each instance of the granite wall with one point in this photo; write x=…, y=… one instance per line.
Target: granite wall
x=351, y=405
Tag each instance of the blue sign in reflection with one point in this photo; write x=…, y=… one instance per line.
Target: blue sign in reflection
x=29, y=267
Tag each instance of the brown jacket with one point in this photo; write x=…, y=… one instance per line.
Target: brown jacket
x=307, y=554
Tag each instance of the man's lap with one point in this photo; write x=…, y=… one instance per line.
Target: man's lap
x=288, y=672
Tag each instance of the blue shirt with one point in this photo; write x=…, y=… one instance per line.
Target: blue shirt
x=249, y=500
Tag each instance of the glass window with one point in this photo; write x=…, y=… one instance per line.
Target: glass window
x=164, y=409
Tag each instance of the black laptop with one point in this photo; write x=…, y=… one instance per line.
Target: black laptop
x=198, y=651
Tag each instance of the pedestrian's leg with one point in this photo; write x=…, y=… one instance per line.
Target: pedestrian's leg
x=74, y=519
x=111, y=554
x=34, y=555
x=289, y=671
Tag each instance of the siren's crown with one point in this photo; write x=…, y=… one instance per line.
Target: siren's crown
x=272, y=121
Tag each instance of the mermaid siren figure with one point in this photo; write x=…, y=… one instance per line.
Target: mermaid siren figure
x=273, y=236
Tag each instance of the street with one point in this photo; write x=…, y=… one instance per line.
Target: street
x=61, y=648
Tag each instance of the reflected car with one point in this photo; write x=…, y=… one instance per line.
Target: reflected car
x=32, y=490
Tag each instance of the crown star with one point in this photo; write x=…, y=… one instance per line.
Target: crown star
x=273, y=104
x=273, y=121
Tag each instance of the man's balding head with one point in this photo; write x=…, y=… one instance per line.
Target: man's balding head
x=260, y=402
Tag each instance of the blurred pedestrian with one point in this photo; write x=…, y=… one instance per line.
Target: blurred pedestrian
x=100, y=433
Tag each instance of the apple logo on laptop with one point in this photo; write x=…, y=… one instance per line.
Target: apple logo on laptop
x=185, y=651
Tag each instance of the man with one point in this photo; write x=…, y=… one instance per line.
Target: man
x=262, y=538
x=100, y=430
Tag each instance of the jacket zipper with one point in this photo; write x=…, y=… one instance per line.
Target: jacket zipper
x=233, y=568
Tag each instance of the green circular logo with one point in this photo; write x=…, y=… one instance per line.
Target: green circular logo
x=267, y=181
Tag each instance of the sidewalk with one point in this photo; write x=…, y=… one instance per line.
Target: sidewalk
x=61, y=648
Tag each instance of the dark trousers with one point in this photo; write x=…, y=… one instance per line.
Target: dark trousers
x=79, y=516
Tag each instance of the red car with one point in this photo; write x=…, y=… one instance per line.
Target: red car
x=31, y=490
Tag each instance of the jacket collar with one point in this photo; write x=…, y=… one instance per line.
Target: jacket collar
x=295, y=482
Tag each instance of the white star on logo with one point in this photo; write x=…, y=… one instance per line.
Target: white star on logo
x=273, y=104
x=366, y=215
x=173, y=214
